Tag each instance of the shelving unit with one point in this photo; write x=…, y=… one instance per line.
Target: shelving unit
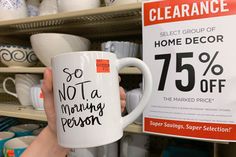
x=123, y=20
x=96, y=24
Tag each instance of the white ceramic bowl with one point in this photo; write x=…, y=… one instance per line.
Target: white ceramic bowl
x=16, y=146
x=17, y=56
x=47, y=45
x=75, y=5
x=24, y=127
x=37, y=131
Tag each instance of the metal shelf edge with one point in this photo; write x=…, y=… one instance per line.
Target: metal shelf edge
x=130, y=70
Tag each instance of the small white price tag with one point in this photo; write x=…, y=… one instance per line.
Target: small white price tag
x=190, y=48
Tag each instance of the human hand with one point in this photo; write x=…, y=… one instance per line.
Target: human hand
x=47, y=90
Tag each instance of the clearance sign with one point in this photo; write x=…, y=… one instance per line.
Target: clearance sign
x=189, y=47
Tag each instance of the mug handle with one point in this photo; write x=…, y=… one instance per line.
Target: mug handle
x=5, y=88
x=147, y=91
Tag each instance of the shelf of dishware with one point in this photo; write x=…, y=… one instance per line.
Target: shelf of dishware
x=107, y=21
x=129, y=70
x=13, y=109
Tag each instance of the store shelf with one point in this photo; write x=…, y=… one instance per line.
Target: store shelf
x=19, y=111
x=121, y=20
x=27, y=112
x=41, y=70
x=134, y=128
x=22, y=70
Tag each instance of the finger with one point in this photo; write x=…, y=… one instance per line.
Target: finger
x=47, y=81
x=122, y=93
x=123, y=104
x=122, y=99
x=47, y=90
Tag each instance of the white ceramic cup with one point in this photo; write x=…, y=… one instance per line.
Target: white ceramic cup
x=119, y=2
x=48, y=7
x=87, y=97
x=135, y=145
x=37, y=98
x=33, y=7
x=121, y=48
x=75, y=5
x=23, y=83
x=12, y=9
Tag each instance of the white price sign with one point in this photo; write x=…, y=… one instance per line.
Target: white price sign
x=189, y=47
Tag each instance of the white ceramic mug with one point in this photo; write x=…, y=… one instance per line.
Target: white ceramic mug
x=121, y=48
x=12, y=9
x=23, y=83
x=135, y=145
x=76, y=5
x=33, y=7
x=48, y=7
x=119, y=2
x=37, y=98
x=87, y=98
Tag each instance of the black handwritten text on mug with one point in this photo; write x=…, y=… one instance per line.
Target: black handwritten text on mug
x=66, y=109
x=88, y=103
x=78, y=73
x=69, y=92
x=78, y=121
